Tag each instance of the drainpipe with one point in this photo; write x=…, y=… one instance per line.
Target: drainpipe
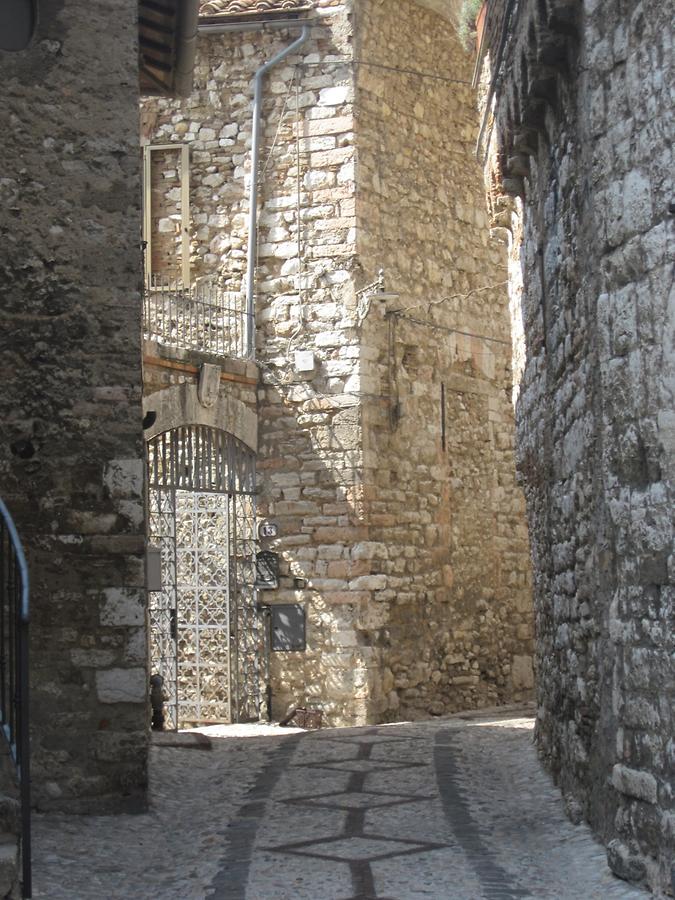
x=255, y=168
x=186, y=51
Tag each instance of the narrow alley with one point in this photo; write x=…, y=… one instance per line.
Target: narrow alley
x=458, y=807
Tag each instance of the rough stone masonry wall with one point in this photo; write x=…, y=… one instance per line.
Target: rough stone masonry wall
x=471, y=642
x=71, y=452
x=309, y=459
x=447, y=539
x=584, y=135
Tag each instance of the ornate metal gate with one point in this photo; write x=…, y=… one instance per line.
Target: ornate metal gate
x=208, y=639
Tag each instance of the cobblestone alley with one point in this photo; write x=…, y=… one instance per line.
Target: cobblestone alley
x=453, y=808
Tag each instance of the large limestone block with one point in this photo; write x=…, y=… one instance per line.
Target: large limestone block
x=121, y=686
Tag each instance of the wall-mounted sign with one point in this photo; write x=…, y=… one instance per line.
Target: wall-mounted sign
x=268, y=530
x=153, y=568
x=288, y=627
x=267, y=570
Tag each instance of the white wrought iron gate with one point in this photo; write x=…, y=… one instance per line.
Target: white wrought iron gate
x=208, y=639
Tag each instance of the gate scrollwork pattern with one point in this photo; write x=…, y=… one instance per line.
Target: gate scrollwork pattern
x=207, y=637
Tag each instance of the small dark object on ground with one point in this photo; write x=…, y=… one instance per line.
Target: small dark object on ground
x=157, y=699
x=304, y=717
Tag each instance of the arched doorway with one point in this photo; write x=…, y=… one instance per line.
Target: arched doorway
x=208, y=639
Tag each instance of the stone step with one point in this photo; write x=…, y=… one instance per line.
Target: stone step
x=9, y=867
x=10, y=814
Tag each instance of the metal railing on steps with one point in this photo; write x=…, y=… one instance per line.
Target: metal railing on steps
x=14, y=686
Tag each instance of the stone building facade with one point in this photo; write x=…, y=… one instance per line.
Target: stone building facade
x=382, y=408
x=71, y=459
x=577, y=140
x=72, y=451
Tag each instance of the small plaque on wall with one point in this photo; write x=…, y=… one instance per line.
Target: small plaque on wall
x=288, y=627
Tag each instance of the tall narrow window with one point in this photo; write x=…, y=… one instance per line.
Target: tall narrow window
x=166, y=213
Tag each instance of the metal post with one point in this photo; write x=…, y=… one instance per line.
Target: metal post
x=15, y=710
x=24, y=763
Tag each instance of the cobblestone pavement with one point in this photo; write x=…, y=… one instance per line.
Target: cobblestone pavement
x=456, y=808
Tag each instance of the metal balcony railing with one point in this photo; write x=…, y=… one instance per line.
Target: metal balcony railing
x=14, y=716
x=202, y=317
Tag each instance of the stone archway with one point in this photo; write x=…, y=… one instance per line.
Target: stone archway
x=181, y=405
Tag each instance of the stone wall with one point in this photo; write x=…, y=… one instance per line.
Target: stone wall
x=365, y=556
x=309, y=457
x=71, y=466
x=447, y=527
x=582, y=137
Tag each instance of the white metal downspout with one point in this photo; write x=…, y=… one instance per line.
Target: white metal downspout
x=251, y=262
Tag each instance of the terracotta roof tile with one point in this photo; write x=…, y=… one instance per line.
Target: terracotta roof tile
x=245, y=9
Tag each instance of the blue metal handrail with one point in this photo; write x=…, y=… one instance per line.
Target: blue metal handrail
x=14, y=685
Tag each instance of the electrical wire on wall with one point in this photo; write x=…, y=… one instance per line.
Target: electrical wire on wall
x=294, y=83
x=434, y=326
x=375, y=290
x=430, y=324
x=434, y=76
x=367, y=294
x=393, y=318
x=280, y=123
x=301, y=267
x=300, y=67
x=471, y=293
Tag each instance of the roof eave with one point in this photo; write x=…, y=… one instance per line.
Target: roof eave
x=167, y=47
x=255, y=15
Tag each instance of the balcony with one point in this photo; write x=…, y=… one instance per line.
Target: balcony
x=203, y=317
